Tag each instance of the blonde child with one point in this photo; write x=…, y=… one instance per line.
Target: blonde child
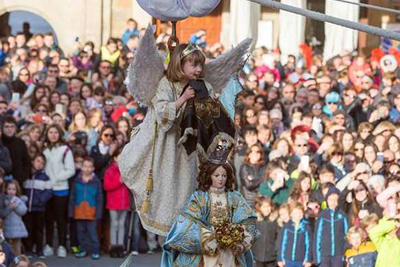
x=14, y=227
x=362, y=252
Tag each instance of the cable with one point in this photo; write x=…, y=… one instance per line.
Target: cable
x=325, y=18
x=370, y=6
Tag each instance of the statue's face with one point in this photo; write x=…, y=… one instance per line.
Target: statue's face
x=219, y=177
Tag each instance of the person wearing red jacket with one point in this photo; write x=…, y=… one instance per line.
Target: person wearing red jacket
x=118, y=203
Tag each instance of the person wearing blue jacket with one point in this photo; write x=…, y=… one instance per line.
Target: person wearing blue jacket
x=38, y=190
x=295, y=248
x=330, y=233
x=86, y=207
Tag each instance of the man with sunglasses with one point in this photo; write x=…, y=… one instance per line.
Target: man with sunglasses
x=54, y=71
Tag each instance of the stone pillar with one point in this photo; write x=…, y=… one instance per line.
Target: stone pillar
x=141, y=16
x=291, y=30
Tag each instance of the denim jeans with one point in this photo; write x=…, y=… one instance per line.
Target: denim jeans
x=136, y=229
x=91, y=243
x=293, y=264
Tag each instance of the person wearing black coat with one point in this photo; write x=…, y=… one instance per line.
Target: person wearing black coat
x=21, y=163
x=5, y=159
x=251, y=176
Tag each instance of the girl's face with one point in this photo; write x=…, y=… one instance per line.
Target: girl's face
x=64, y=100
x=219, y=178
x=347, y=140
x=305, y=184
x=251, y=117
x=283, y=147
x=265, y=209
x=53, y=135
x=80, y=120
x=284, y=215
x=95, y=120
x=192, y=71
x=361, y=193
x=365, y=133
x=263, y=119
x=337, y=156
x=255, y=155
x=34, y=135
x=107, y=136
x=58, y=120
x=74, y=107
x=55, y=99
x=123, y=127
x=369, y=154
x=86, y=93
x=40, y=93
x=26, y=139
x=38, y=163
x=359, y=150
x=394, y=144
x=11, y=190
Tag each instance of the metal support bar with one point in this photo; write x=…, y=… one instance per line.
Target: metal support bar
x=326, y=18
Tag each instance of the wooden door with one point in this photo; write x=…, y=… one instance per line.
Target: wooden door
x=211, y=23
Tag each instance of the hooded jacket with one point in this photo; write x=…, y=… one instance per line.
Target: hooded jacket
x=330, y=234
x=38, y=190
x=86, y=199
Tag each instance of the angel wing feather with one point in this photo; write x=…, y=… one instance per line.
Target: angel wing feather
x=218, y=71
x=146, y=70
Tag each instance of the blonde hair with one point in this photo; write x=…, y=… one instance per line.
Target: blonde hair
x=175, y=67
x=295, y=205
x=355, y=230
x=369, y=220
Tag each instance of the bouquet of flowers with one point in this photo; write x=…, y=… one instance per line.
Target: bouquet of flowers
x=228, y=234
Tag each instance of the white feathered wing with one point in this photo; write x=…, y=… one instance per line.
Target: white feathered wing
x=218, y=71
x=146, y=70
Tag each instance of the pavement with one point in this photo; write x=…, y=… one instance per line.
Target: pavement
x=142, y=260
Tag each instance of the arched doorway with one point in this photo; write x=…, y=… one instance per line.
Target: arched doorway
x=12, y=22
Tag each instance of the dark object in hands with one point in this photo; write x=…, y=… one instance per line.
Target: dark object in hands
x=199, y=87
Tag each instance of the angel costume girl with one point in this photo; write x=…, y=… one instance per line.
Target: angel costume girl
x=160, y=174
x=194, y=239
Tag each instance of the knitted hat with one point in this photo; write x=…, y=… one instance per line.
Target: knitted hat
x=332, y=190
x=332, y=97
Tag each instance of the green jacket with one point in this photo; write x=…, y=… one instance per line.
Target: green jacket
x=281, y=195
x=388, y=247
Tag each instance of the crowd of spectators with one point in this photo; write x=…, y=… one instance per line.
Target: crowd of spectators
x=318, y=154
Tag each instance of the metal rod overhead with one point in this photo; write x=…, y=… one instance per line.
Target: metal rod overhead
x=330, y=19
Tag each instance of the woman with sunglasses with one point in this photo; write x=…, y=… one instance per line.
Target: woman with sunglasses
x=358, y=202
x=336, y=160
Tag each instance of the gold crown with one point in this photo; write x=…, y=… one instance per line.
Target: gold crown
x=190, y=48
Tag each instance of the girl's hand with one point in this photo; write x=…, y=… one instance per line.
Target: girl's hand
x=281, y=263
x=307, y=264
x=278, y=183
x=188, y=94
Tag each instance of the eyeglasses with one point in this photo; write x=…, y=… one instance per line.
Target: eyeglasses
x=302, y=145
x=387, y=161
x=337, y=154
x=42, y=110
x=108, y=135
x=332, y=103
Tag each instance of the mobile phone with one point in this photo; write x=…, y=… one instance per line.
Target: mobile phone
x=77, y=39
x=38, y=118
x=380, y=156
x=304, y=162
x=15, y=97
x=60, y=108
